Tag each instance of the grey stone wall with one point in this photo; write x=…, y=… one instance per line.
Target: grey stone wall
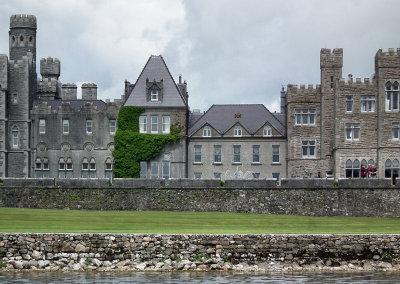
x=298, y=197
x=195, y=252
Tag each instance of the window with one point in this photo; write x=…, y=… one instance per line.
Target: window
x=15, y=137
x=42, y=168
x=331, y=84
x=267, y=131
x=308, y=149
x=277, y=177
x=256, y=154
x=89, y=126
x=237, y=131
x=367, y=103
x=395, y=131
x=392, y=97
x=65, y=126
x=217, y=154
x=68, y=169
x=108, y=168
x=353, y=169
x=113, y=126
x=61, y=168
x=197, y=175
x=256, y=175
x=165, y=124
x=154, y=170
x=92, y=168
x=352, y=131
x=143, y=124
x=236, y=154
x=154, y=124
x=14, y=99
x=217, y=175
x=42, y=126
x=391, y=168
x=275, y=153
x=197, y=154
x=165, y=170
x=85, y=168
x=143, y=169
x=305, y=116
x=154, y=95
x=349, y=103
x=207, y=131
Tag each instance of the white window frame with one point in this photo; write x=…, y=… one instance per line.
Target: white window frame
x=277, y=177
x=166, y=122
x=207, y=131
x=256, y=154
x=92, y=170
x=237, y=131
x=143, y=169
x=276, y=152
x=15, y=138
x=154, y=95
x=197, y=154
x=217, y=155
x=349, y=104
x=395, y=131
x=305, y=117
x=154, y=123
x=166, y=174
x=392, y=92
x=352, y=131
x=143, y=124
x=154, y=166
x=310, y=147
x=89, y=126
x=113, y=126
x=65, y=126
x=267, y=131
x=42, y=126
x=236, y=154
x=367, y=103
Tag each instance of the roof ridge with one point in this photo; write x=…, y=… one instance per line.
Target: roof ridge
x=275, y=117
x=140, y=75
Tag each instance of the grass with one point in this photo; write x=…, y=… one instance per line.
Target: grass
x=81, y=221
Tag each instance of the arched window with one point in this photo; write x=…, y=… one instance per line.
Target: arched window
x=21, y=38
x=353, y=168
x=108, y=168
x=237, y=131
x=371, y=162
x=356, y=168
x=69, y=170
x=267, y=131
x=85, y=168
x=42, y=168
x=391, y=169
x=92, y=168
x=392, y=97
x=207, y=131
x=61, y=168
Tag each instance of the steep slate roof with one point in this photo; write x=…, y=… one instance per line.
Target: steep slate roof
x=75, y=104
x=222, y=118
x=156, y=69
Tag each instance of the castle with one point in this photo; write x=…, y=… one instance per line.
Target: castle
x=328, y=130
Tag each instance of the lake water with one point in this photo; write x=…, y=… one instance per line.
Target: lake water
x=196, y=277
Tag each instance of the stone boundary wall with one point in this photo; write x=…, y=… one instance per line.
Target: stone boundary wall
x=198, y=183
x=335, y=201
x=197, y=252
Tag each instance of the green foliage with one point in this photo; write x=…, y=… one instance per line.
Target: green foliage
x=386, y=256
x=222, y=183
x=88, y=261
x=131, y=147
x=1, y=182
x=3, y=264
x=335, y=183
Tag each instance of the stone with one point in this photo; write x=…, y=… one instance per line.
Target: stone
x=80, y=248
x=76, y=266
x=141, y=266
x=67, y=247
x=43, y=263
x=18, y=264
x=36, y=255
x=96, y=262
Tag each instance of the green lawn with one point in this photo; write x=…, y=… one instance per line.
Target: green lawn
x=80, y=221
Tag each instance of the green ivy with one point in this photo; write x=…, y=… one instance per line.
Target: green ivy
x=132, y=147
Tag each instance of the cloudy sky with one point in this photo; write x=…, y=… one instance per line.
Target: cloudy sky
x=229, y=51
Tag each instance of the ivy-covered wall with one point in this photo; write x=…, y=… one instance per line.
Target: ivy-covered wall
x=132, y=147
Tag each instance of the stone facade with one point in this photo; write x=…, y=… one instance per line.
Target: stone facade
x=340, y=125
x=151, y=252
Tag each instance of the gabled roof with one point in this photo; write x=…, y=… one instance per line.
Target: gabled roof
x=156, y=70
x=223, y=117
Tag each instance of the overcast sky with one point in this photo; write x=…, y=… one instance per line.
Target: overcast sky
x=228, y=51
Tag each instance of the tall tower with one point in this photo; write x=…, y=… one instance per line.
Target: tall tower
x=331, y=63
x=22, y=83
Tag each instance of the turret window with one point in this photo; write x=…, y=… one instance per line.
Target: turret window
x=14, y=99
x=42, y=126
x=15, y=137
x=65, y=126
x=392, y=97
x=305, y=116
x=154, y=95
x=367, y=103
x=113, y=126
x=89, y=126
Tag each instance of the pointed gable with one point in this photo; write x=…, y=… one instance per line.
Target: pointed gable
x=156, y=78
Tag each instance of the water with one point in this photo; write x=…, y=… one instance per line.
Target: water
x=196, y=277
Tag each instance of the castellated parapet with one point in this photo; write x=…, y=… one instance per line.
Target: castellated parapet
x=388, y=59
x=89, y=91
x=358, y=83
x=47, y=85
x=300, y=93
x=50, y=68
x=68, y=92
x=23, y=21
x=331, y=59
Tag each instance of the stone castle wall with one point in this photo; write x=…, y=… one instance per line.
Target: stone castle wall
x=198, y=252
x=309, y=197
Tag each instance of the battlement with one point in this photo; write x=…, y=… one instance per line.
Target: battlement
x=300, y=93
x=50, y=67
x=358, y=83
x=47, y=85
x=390, y=53
x=302, y=88
x=23, y=21
x=388, y=59
x=329, y=59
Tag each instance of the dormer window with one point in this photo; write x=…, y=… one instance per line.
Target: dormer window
x=237, y=131
x=154, y=95
x=207, y=131
x=267, y=131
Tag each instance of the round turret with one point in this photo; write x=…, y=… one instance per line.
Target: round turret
x=22, y=36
